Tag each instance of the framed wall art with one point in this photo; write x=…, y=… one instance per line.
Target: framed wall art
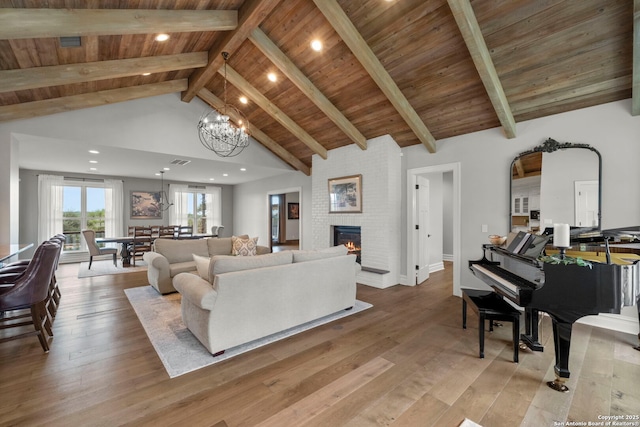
x=345, y=194
x=293, y=211
x=145, y=205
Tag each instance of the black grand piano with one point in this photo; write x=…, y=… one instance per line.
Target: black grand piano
x=566, y=292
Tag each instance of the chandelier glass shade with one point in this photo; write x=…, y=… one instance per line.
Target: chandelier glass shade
x=218, y=133
x=217, y=130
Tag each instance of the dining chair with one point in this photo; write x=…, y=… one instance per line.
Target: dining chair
x=95, y=250
x=141, y=243
x=185, y=231
x=168, y=231
x=31, y=292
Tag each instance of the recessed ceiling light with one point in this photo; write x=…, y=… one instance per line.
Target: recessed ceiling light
x=162, y=37
x=167, y=169
x=146, y=74
x=272, y=77
x=93, y=169
x=243, y=169
x=316, y=45
x=212, y=179
x=94, y=151
x=225, y=174
x=93, y=161
x=244, y=99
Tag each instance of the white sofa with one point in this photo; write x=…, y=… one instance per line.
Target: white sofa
x=247, y=298
x=171, y=257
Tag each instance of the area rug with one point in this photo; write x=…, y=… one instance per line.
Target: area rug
x=104, y=267
x=178, y=349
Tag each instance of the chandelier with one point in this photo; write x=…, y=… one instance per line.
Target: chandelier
x=217, y=131
x=164, y=202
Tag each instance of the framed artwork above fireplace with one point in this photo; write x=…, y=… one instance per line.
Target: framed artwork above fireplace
x=345, y=194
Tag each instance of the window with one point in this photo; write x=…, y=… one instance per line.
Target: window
x=69, y=205
x=197, y=207
x=83, y=206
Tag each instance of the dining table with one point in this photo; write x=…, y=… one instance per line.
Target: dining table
x=12, y=249
x=125, y=242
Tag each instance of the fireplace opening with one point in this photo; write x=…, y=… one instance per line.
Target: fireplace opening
x=350, y=236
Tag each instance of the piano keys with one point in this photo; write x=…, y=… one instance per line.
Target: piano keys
x=565, y=292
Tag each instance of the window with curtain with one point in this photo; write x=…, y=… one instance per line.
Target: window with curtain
x=200, y=208
x=68, y=206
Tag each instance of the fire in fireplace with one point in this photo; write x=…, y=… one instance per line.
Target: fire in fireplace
x=349, y=236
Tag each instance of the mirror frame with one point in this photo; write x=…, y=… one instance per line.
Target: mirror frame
x=549, y=146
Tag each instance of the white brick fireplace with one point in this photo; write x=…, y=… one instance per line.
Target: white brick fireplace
x=380, y=166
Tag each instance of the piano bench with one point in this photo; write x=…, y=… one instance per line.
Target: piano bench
x=490, y=306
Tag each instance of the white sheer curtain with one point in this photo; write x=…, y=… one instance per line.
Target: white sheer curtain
x=179, y=211
x=50, y=191
x=213, y=199
x=113, y=208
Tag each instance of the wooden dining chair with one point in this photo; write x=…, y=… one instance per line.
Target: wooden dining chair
x=185, y=231
x=141, y=243
x=168, y=232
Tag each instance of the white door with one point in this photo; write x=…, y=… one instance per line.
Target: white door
x=586, y=203
x=422, y=229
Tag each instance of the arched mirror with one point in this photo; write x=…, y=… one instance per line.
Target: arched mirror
x=556, y=183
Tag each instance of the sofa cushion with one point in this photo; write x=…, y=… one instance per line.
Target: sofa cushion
x=302, y=255
x=221, y=264
x=220, y=245
x=181, y=250
x=243, y=246
x=182, y=267
x=202, y=265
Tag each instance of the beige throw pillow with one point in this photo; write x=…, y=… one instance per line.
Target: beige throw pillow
x=243, y=246
x=202, y=265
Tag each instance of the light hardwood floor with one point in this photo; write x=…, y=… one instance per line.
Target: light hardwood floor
x=404, y=362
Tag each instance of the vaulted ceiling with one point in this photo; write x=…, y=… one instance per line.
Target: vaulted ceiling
x=417, y=70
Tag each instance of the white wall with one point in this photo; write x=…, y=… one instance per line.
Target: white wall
x=292, y=225
x=251, y=206
x=486, y=156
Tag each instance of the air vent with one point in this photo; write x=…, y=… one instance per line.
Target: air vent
x=180, y=162
x=73, y=41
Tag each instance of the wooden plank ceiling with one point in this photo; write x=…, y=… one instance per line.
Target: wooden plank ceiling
x=418, y=70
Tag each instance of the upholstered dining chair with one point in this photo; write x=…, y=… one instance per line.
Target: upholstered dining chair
x=216, y=230
x=31, y=292
x=95, y=250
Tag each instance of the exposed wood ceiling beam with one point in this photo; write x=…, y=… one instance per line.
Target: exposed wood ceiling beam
x=361, y=50
x=635, y=97
x=36, y=23
x=519, y=168
x=250, y=16
x=468, y=24
x=76, y=102
x=256, y=133
x=293, y=73
x=31, y=78
x=276, y=113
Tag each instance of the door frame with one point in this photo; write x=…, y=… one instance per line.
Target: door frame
x=300, y=207
x=412, y=174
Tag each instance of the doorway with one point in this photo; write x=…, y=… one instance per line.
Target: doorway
x=415, y=239
x=285, y=216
